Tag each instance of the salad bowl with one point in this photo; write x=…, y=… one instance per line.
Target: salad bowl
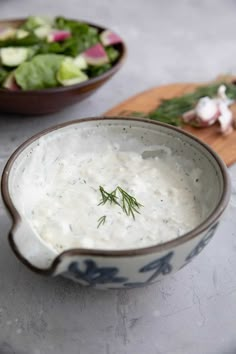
x=108, y=269
x=52, y=99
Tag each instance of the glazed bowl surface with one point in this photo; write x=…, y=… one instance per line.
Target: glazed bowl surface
x=111, y=268
x=51, y=100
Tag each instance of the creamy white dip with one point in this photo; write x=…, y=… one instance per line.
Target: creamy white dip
x=66, y=214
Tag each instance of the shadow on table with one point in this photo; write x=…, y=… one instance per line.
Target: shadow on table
x=6, y=348
x=40, y=122
x=229, y=351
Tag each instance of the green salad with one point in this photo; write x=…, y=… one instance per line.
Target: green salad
x=45, y=52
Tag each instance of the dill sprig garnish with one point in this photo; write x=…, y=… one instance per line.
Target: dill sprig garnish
x=111, y=197
x=129, y=204
x=120, y=197
x=101, y=220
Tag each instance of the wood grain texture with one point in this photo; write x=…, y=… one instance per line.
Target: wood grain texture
x=148, y=100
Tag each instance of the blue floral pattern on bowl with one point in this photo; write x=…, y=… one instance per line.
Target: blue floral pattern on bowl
x=202, y=244
x=159, y=266
x=94, y=274
x=89, y=273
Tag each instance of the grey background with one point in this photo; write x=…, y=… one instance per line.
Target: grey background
x=191, y=312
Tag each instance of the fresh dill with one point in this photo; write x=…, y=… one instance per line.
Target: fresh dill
x=108, y=197
x=101, y=220
x=129, y=204
x=120, y=197
x=171, y=110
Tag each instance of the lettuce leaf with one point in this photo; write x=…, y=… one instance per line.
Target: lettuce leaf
x=69, y=73
x=40, y=72
x=33, y=22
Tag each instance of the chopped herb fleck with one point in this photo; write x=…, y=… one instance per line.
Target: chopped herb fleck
x=101, y=220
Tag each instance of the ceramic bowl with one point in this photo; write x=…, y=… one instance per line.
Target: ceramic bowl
x=102, y=268
x=39, y=102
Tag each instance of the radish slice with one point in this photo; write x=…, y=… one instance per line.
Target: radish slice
x=58, y=36
x=96, y=55
x=10, y=83
x=108, y=37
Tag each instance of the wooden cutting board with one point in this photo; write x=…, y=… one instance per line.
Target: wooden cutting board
x=147, y=101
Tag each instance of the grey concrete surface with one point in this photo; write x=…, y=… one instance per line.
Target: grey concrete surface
x=191, y=312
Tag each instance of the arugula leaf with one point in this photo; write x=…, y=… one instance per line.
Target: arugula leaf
x=75, y=27
x=40, y=72
x=72, y=46
x=93, y=70
x=69, y=47
x=30, y=40
x=83, y=36
x=54, y=47
x=112, y=53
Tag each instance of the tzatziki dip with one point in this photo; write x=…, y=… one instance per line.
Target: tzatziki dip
x=72, y=210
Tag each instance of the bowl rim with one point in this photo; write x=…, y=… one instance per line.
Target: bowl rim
x=16, y=218
x=94, y=80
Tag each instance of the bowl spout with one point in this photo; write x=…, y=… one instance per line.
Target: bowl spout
x=30, y=248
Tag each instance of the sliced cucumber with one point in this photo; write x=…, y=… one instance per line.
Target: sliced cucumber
x=74, y=81
x=13, y=56
x=70, y=74
x=20, y=33
x=42, y=31
x=80, y=62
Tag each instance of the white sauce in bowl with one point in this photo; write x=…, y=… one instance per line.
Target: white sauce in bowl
x=66, y=214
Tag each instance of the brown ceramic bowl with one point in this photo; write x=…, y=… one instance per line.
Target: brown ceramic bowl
x=54, y=99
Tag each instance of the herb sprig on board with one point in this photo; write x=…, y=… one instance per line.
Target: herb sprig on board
x=171, y=111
